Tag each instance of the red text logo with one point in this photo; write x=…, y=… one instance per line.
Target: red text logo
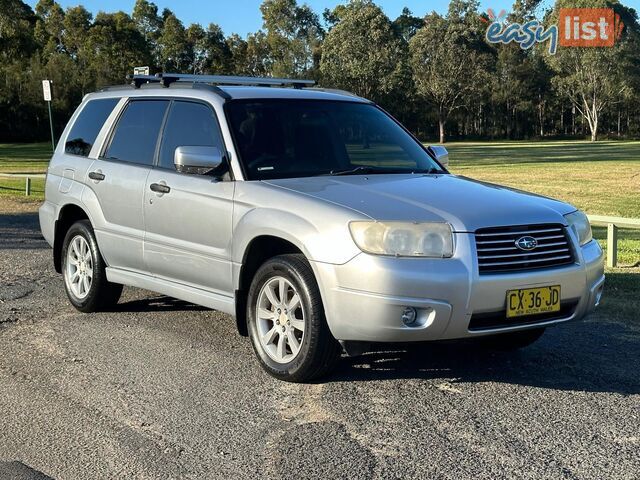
x=589, y=27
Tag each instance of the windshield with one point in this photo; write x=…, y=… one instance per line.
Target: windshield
x=300, y=138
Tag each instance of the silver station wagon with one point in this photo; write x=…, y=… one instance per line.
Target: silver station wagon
x=310, y=215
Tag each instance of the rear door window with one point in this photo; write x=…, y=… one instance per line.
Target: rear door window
x=136, y=135
x=189, y=124
x=87, y=126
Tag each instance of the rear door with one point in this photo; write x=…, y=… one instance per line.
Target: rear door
x=188, y=229
x=118, y=179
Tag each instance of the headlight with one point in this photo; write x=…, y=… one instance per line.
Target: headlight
x=403, y=239
x=579, y=222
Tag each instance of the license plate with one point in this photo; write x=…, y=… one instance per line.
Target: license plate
x=533, y=301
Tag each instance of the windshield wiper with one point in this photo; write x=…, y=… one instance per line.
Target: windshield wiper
x=368, y=169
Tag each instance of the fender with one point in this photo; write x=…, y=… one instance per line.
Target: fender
x=331, y=244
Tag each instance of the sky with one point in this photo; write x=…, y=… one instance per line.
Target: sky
x=243, y=16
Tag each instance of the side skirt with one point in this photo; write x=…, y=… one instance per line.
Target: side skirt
x=198, y=296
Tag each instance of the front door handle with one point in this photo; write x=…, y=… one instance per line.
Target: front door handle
x=159, y=188
x=97, y=176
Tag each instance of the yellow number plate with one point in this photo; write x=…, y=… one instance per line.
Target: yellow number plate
x=533, y=301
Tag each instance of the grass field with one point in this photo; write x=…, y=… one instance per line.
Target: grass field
x=599, y=178
x=23, y=158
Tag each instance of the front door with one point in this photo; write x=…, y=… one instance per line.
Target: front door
x=188, y=219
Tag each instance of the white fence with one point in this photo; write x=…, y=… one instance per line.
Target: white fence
x=27, y=179
x=612, y=224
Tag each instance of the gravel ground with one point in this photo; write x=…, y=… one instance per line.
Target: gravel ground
x=164, y=389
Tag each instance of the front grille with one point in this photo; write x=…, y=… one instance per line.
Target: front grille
x=489, y=320
x=497, y=251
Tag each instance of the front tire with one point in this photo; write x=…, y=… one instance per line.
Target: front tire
x=286, y=321
x=513, y=340
x=83, y=269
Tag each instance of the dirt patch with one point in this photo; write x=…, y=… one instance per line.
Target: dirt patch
x=19, y=205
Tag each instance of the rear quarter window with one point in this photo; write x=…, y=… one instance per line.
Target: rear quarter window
x=87, y=126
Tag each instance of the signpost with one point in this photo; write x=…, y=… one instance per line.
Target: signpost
x=141, y=70
x=46, y=91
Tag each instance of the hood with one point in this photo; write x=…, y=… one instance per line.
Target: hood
x=464, y=203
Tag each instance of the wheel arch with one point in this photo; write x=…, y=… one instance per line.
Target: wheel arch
x=258, y=251
x=69, y=214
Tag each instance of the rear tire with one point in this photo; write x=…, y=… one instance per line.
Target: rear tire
x=513, y=340
x=83, y=269
x=286, y=321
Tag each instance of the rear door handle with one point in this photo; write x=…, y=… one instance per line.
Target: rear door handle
x=159, y=188
x=96, y=176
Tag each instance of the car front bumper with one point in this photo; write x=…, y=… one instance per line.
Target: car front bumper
x=364, y=299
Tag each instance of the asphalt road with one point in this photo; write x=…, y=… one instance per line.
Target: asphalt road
x=164, y=389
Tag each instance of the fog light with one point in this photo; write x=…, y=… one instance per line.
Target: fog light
x=409, y=316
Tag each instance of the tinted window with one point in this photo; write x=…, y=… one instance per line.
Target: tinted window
x=136, y=134
x=284, y=138
x=188, y=124
x=88, y=125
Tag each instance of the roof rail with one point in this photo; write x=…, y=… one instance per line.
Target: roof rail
x=339, y=92
x=168, y=78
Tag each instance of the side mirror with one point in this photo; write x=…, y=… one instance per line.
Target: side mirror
x=198, y=160
x=441, y=154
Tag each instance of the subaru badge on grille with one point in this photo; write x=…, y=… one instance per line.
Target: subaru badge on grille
x=526, y=243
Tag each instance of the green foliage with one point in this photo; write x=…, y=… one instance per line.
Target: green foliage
x=17, y=22
x=434, y=73
x=449, y=62
x=174, y=48
x=293, y=37
x=406, y=25
x=363, y=53
x=594, y=80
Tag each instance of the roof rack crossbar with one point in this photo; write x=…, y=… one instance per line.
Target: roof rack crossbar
x=168, y=78
x=138, y=80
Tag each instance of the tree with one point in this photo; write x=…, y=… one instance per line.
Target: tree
x=450, y=60
x=219, y=57
x=145, y=15
x=593, y=79
x=256, y=61
x=149, y=24
x=17, y=23
x=406, y=25
x=49, y=25
x=362, y=53
x=294, y=35
x=238, y=49
x=114, y=47
x=173, y=44
x=196, y=37
x=76, y=25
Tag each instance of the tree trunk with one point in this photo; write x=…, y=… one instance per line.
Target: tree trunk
x=593, y=126
x=619, y=119
x=441, y=123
